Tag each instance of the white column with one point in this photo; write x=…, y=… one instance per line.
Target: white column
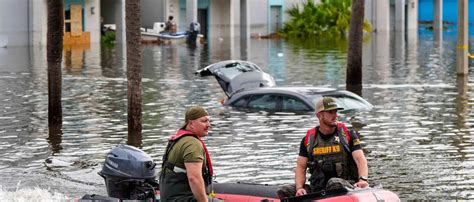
x=164, y=11
x=244, y=30
x=92, y=14
x=400, y=15
x=120, y=32
x=191, y=12
x=412, y=14
x=38, y=22
x=244, y=19
x=382, y=16
x=462, y=46
x=234, y=17
x=369, y=12
x=438, y=15
x=120, y=35
x=438, y=19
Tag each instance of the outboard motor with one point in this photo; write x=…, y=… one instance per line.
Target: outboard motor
x=194, y=29
x=129, y=173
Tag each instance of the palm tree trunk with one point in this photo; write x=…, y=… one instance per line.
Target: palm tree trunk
x=134, y=72
x=54, y=58
x=354, y=55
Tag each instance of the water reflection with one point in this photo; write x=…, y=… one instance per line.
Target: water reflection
x=462, y=102
x=135, y=140
x=55, y=139
x=357, y=89
x=462, y=112
x=245, y=47
x=74, y=57
x=109, y=62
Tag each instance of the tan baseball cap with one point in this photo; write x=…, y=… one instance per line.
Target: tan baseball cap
x=194, y=113
x=327, y=103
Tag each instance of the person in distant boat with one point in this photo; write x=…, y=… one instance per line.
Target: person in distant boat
x=170, y=25
x=187, y=171
x=331, y=153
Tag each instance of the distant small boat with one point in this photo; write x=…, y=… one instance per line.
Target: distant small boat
x=156, y=34
x=167, y=37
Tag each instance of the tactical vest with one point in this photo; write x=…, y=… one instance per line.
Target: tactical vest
x=174, y=183
x=328, y=158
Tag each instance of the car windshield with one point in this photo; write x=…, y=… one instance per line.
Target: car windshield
x=232, y=70
x=349, y=103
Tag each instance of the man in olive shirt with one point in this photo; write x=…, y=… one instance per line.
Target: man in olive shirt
x=187, y=169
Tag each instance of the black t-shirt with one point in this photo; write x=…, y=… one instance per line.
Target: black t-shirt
x=354, y=143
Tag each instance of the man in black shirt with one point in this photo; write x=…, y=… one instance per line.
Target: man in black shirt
x=329, y=152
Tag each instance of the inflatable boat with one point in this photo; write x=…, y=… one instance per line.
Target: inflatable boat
x=129, y=174
x=237, y=192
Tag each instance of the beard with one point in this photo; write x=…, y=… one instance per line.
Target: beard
x=330, y=123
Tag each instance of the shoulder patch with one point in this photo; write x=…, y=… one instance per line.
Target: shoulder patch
x=356, y=141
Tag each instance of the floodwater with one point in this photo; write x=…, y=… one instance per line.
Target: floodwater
x=418, y=138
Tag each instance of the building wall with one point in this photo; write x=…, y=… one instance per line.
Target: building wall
x=450, y=10
x=151, y=11
x=24, y=22
x=14, y=22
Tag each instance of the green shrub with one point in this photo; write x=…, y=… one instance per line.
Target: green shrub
x=330, y=17
x=108, y=39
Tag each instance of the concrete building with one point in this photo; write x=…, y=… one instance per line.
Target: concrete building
x=24, y=22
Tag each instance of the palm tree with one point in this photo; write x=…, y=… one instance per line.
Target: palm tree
x=354, y=54
x=54, y=58
x=134, y=72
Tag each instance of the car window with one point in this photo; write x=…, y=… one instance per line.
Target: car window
x=293, y=104
x=241, y=102
x=263, y=102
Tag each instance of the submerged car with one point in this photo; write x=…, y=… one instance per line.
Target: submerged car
x=248, y=87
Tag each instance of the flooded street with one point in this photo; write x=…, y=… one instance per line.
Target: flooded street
x=418, y=139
